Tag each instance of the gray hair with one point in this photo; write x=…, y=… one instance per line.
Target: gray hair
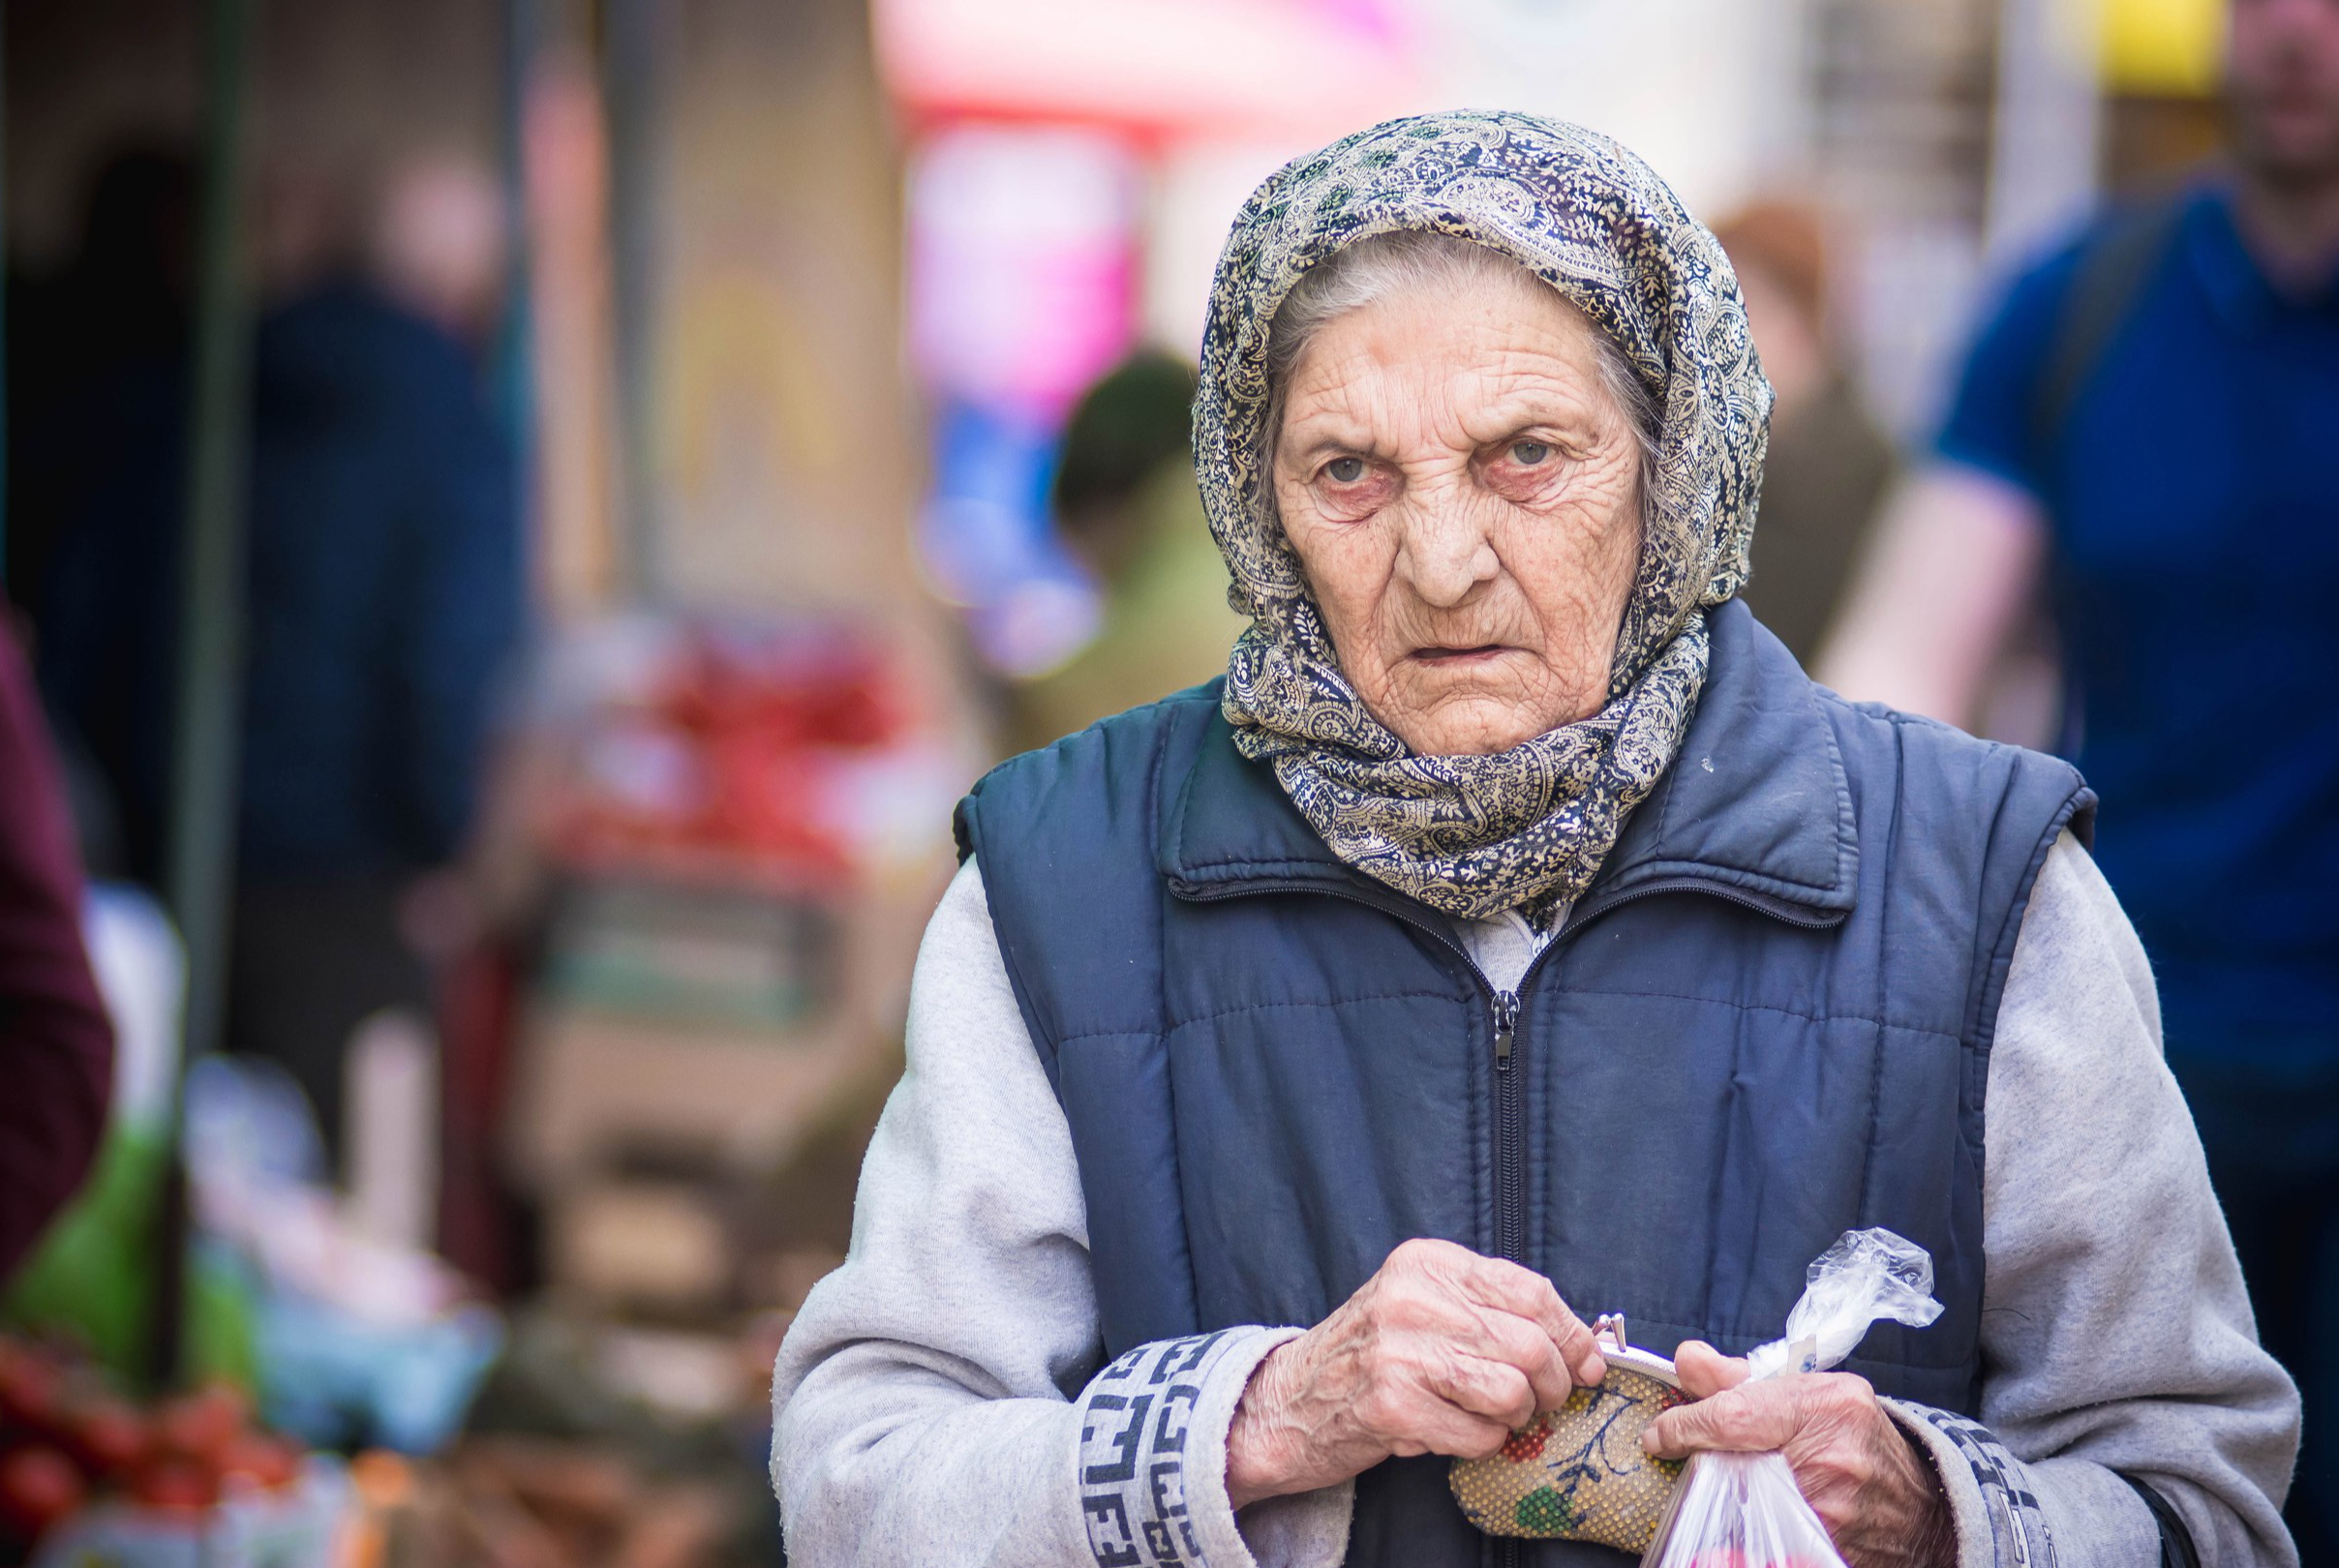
x=1420, y=260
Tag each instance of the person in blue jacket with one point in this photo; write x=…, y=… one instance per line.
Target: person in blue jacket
x=2147, y=432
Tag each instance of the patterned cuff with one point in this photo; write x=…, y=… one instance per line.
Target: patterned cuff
x=1153, y=1451
x=1997, y=1512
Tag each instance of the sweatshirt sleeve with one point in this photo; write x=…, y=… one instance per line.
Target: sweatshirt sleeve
x=940, y=1399
x=2117, y=1335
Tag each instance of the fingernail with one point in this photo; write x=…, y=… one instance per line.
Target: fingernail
x=1647, y=1442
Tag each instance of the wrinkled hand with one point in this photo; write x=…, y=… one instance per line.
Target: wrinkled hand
x=1442, y=1351
x=1875, y=1493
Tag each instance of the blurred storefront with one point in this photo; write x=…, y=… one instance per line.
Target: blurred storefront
x=530, y=1275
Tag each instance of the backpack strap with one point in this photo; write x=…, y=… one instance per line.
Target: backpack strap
x=2115, y=265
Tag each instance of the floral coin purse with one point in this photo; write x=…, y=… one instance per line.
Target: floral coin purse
x=1579, y=1473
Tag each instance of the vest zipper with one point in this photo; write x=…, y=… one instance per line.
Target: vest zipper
x=1511, y=1131
x=1510, y=1087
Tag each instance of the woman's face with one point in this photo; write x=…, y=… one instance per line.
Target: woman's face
x=1464, y=496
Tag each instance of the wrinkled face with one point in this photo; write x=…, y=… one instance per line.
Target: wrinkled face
x=1464, y=496
x=2282, y=86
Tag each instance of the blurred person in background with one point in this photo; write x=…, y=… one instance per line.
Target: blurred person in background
x=1828, y=466
x=94, y=355
x=1126, y=504
x=96, y=417
x=2149, y=425
x=384, y=595
x=385, y=598
x=56, y=1048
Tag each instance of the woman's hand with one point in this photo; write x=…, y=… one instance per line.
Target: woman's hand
x=1868, y=1485
x=1442, y=1351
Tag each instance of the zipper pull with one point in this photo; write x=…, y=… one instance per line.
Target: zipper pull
x=1506, y=1024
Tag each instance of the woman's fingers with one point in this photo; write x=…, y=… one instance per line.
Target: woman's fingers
x=1454, y=1430
x=1869, y=1482
x=1524, y=1294
x=1746, y=1420
x=1705, y=1371
x=1441, y=1351
x=1516, y=1341
x=1490, y=1390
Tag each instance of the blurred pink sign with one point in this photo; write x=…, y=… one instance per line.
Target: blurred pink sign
x=1023, y=266
x=1156, y=69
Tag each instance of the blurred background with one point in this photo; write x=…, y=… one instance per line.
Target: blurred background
x=524, y=515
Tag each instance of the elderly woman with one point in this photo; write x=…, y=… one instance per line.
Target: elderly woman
x=1514, y=935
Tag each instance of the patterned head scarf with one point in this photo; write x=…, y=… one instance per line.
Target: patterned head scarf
x=1527, y=828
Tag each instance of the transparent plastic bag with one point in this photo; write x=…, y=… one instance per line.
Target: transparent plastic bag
x=1744, y=1510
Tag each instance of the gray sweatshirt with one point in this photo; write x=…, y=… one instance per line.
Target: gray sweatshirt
x=941, y=1401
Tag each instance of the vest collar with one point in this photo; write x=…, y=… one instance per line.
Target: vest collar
x=1756, y=807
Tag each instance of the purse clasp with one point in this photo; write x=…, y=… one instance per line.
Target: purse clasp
x=1608, y=1332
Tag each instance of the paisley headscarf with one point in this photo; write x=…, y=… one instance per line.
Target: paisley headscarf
x=1527, y=828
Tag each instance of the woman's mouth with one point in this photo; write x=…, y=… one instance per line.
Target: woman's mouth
x=1459, y=656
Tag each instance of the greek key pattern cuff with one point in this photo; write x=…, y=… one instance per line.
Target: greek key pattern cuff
x=1998, y=1520
x=1152, y=1457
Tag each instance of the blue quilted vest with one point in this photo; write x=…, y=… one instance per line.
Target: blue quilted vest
x=1767, y=1023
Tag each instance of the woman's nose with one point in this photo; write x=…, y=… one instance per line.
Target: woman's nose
x=1446, y=553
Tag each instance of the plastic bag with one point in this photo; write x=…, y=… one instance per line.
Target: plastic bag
x=1744, y=1510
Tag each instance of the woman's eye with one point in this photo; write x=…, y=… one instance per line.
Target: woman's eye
x=1527, y=454
x=1344, y=471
